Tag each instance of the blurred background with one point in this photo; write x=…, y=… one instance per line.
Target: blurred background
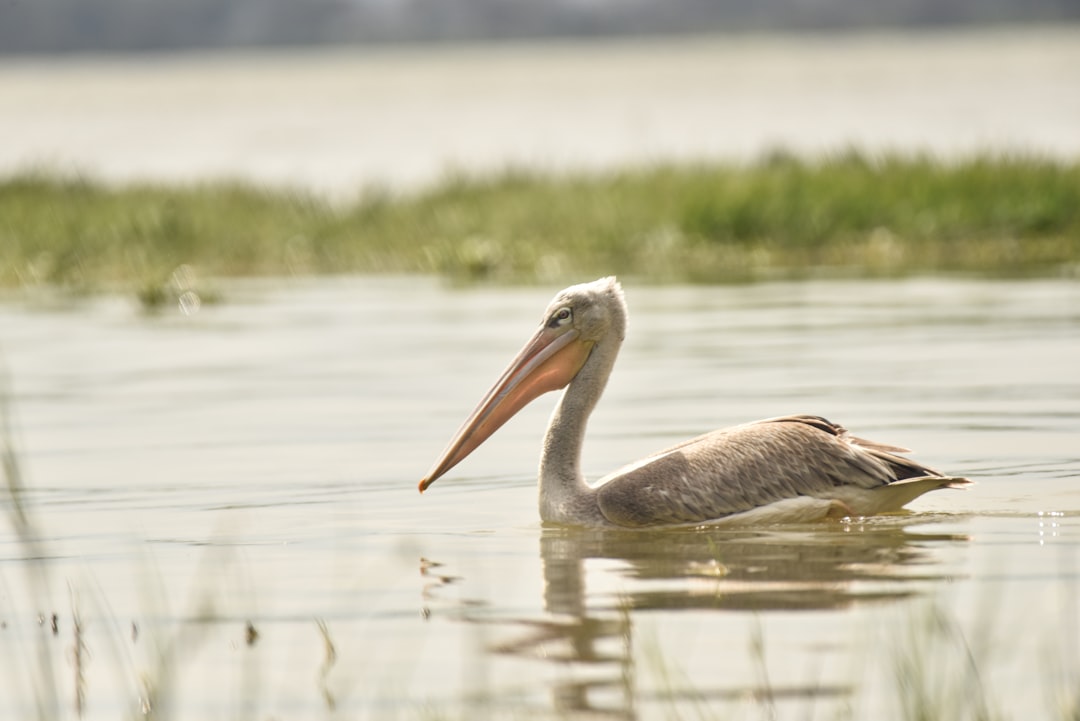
x=333, y=95
x=64, y=26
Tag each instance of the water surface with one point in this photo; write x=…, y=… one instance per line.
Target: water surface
x=336, y=120
x=256, y=463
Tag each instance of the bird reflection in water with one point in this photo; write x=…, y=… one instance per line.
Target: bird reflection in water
x=804, y=568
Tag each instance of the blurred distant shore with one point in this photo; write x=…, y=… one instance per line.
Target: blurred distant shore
x=339, y=120
x=850, y=215
x=693, y=159
x=119, y=26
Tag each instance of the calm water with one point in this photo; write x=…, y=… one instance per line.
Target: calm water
x=334, y=120
x=257, y=462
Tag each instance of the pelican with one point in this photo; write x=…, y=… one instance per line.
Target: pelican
x=797, y=468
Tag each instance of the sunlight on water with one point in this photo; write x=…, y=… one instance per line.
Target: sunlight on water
x=225, y=520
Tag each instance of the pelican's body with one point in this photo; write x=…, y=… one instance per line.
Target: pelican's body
x=790, y=469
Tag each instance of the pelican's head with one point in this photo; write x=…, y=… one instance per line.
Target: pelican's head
x=594, y=309
x=577, y=319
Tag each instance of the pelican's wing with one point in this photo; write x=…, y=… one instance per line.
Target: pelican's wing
x=746, y=467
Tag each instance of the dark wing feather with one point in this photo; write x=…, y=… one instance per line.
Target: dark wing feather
x=741, y=468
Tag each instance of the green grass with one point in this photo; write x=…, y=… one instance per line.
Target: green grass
x=782, y=217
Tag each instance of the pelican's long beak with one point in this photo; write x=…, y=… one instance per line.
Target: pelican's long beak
x=549, y=361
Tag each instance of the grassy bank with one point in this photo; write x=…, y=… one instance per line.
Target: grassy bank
x=848, y=215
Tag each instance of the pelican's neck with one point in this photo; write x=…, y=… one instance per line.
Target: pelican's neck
x=564, y=495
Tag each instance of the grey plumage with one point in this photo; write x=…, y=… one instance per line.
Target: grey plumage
x=735, y=470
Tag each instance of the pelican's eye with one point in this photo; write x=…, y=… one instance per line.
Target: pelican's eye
x=560, y=318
